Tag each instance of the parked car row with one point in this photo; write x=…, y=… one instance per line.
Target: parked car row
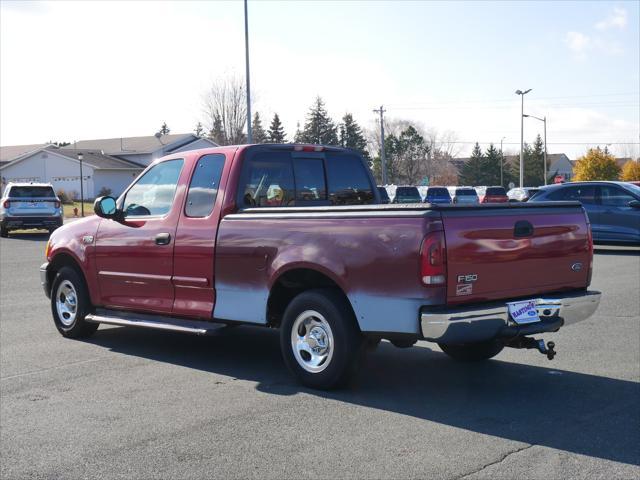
x=443, y=195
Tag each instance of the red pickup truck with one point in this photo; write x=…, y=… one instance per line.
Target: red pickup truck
x=295, y=237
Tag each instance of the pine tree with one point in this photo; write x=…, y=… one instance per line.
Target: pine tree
x=472, y=171
x=164, y=129
x=351, y=136
x=319, y=128
x=276, y=131
x=199, y=130
x=491, y=166
x=217, y=132
x=259, y=134
x=534, y=164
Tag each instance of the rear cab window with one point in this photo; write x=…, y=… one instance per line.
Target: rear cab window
x=495, y=191
x=281, y=178
x=31, y=192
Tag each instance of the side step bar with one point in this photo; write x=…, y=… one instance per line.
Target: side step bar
x=158, y=322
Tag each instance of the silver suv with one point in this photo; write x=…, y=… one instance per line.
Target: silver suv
x=29, y=205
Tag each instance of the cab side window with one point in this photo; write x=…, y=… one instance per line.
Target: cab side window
x=203, y=188
x=154, y=192
x=614, y=197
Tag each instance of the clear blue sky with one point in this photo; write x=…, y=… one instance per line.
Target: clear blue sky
x=116, y=69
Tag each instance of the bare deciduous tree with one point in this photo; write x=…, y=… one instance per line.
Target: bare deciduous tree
x=225, y=110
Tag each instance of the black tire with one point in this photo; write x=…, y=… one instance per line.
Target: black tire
x=473, y=352
x=76, y=327
x=347, y=346
x=4, y=232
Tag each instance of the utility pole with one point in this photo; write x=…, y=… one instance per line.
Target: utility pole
x=501, y=162
x=545, y=150
x=522, y=94
x=383, y=157
x=246, y=51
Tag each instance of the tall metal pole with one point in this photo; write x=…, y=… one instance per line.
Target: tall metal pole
x=81, y=186
x=545, y=149
x=383, y=156
x=246, y=49
x=522, y=94
x=522, y=141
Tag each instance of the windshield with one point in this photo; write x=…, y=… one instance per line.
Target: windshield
x=495, y=191
x=32, y=192
x=463, y=192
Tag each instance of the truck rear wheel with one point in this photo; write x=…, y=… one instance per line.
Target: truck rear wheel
x=4, y=232
x=70, y=303
x=473, y=352
x=320, y=340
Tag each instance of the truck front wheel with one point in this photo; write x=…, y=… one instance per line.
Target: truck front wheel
x=70, y=303
x=320, y=340
x=473, y=352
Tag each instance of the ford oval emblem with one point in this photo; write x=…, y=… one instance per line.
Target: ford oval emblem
x=576, y=267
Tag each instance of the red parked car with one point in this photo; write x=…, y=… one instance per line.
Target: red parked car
x=492, y=195
x=294, y=237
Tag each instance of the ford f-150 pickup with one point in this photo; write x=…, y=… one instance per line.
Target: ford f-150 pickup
x=295, y=237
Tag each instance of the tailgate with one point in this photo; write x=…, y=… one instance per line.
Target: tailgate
x=32, y=207
x=509, y=251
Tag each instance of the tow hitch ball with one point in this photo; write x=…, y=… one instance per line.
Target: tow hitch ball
x=528, y=342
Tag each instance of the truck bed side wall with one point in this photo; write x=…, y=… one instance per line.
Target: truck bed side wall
x=373, y=259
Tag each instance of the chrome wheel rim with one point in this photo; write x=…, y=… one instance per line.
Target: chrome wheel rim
x=66, y=303
x=312, y=341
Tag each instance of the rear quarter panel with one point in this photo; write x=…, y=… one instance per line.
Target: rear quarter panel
x=374, y=260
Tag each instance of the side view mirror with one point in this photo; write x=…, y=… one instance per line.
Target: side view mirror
x=106, y=207
x=634, y=203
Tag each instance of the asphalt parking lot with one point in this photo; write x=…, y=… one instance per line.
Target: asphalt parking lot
x=141, y=404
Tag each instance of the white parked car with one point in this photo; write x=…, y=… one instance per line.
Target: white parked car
x=29, y=205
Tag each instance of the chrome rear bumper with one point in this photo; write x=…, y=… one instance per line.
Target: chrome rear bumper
x=487, y=321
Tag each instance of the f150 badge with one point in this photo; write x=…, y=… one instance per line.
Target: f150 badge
x=465, y=284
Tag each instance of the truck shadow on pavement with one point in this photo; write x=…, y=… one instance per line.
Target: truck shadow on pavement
x=576, y=412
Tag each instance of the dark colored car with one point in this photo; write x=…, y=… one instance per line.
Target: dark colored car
x=407, y=195
x=384, y=196
x=437, y=195
x=523, y=194
x=492, y=195
x=613, y=207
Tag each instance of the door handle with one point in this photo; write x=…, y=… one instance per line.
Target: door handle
x=163, y=239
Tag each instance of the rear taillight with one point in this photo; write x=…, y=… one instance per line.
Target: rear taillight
x=433, y=260
x=56, y=204
x=6, y=204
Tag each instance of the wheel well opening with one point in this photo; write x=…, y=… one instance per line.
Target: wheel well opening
x=291, y=284
x=63, y=260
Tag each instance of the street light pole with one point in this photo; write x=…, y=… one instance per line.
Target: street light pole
x=80, y=158
x=501, y=162
x=522, y=94
x=544, y=120
x=246, y=51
